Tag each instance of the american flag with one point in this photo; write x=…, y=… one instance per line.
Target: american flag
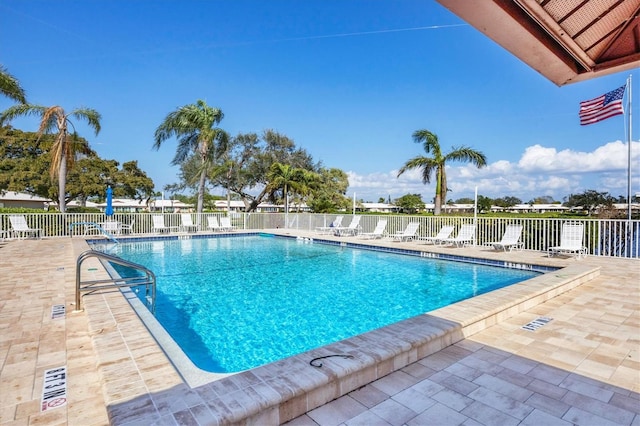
x=602, y=107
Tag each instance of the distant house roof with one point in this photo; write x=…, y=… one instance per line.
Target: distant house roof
x=169, y=203
x=21, y=196
x=76, y=203
x=125, y=202
x=379, y=206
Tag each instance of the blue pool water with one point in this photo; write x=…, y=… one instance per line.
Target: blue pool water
x=236, y=303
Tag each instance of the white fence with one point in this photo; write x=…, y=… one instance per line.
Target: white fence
x=613, y=238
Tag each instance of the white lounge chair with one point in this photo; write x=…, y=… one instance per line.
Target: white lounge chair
x=127, y=227
x=112, y=227
x=570, y=241
x=352, y=229
x=408, y=234
x=225, y=224
x=465, y=236
x=159, y=226
x=510, y=240
x=378, y=232
x=213, y=224
x=337, y=222
x=441, y=236
x=187, y=223
x=21, y=229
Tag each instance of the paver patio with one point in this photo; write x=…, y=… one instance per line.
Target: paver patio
x=583, y=367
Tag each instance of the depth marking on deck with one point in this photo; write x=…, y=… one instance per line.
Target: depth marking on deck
x=57, y=311
x=536, y=323
x=54, y=388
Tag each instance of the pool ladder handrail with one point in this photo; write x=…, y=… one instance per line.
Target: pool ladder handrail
x=88, y=287
x=93, y=225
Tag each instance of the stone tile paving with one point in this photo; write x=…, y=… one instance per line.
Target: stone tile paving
x=470, y=383
x=582, y=368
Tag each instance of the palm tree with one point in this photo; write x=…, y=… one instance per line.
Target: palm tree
x=66, y=146
x=286, y=177
x=193, y=126
x=10, y=87
x=438, y=161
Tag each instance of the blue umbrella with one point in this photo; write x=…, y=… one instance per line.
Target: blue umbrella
x=109, y=209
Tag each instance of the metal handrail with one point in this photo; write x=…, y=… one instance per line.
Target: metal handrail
x=88, y=287
x=94, y=225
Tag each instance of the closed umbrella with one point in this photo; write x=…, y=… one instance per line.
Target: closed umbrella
x=109, y=209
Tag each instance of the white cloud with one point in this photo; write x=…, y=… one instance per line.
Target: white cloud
x=612, y=156
x=540, y=171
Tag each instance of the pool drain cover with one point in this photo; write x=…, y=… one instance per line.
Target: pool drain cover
x=536, y=323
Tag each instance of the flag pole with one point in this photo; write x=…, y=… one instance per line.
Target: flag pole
x=629, y=153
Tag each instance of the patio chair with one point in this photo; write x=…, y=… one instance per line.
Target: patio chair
x=187, y=223
x=111, y=227
x=441, y=236
x=225, y=224
x=127, y=227
x=378, y=232
x=510, y=240
x=570, y=241
x=465, y=236
x=21, y=229
x=159, y=226
x=352, y=229
x=408, y=234
x=337, y=222
x=213, y=224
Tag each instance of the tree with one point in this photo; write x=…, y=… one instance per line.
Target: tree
x=437, y=163
x=193, y=126
x=410, y=203
x=24, y=162
x=484, y=203
x=284, y=177
x=507, y=201
x=590, y=200
x=10, y=87
x=465, y=200
x=25, y=159
x=329, y=192
x=248, y=162
x=66, y=146
x=543, y=199
x=132, y=182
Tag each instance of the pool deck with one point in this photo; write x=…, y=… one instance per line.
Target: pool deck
x=468, y=363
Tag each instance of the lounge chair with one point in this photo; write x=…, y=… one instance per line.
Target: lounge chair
x=337, y=222
x=378, y=232
x=213, y=224
x=187, y=223
x=159, y=226
x=352, y=229
x=127, y=227
x=225, y=224
x=510, y=240
x=408, y=234
x=111, y=227
x=21, y=229
x=441, y=236
x=570, y=241
x=465, y=236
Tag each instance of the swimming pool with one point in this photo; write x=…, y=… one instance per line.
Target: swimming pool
x=240, y=302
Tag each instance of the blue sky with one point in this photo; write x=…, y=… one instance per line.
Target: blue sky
x=349, y=81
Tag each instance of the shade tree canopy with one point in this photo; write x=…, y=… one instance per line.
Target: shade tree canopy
x=67, y=144
x=25, y=159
